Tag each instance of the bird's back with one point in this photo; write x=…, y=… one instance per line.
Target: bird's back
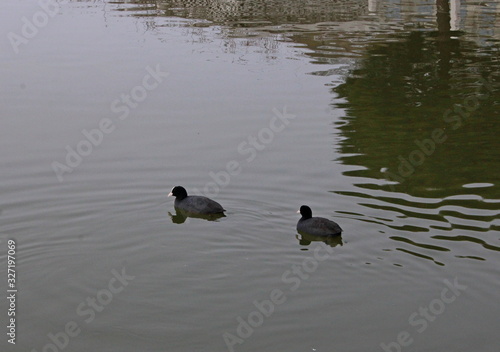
x=199, y=204
x=319, y=227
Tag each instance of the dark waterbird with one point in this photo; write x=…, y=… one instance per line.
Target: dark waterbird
x=195, y=205
x=316, y=226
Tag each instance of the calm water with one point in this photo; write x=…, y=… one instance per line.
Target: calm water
x=382, y=115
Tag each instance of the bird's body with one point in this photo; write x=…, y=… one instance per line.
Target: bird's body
x=316, y=226
x=195, y=204
x=199, y=205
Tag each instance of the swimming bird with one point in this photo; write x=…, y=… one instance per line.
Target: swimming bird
x=316, y=226
x=194, y=204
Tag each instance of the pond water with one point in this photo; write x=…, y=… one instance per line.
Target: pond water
x=381, y=115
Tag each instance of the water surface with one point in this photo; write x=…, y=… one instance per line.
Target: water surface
x=380, y=115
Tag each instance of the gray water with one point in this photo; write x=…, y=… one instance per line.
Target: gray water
x=380, y=115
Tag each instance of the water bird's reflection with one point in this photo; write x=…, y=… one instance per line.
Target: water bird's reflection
x=180, y=216
x=306, y=239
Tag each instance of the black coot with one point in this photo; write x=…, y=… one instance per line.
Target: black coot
x=194, y=204
x=316, y=226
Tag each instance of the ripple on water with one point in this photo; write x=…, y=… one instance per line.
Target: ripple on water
x=478, y=185
x=429, y=228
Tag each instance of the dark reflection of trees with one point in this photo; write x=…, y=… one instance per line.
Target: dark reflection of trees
x=422, y=109
x=400, y=93
x=405, y=89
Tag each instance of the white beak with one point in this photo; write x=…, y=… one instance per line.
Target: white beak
x=170, y=194
x=298, y=211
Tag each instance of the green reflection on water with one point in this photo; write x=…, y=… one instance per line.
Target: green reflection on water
x=429, y=124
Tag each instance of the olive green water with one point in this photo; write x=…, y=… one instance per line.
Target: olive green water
x=381, y=115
